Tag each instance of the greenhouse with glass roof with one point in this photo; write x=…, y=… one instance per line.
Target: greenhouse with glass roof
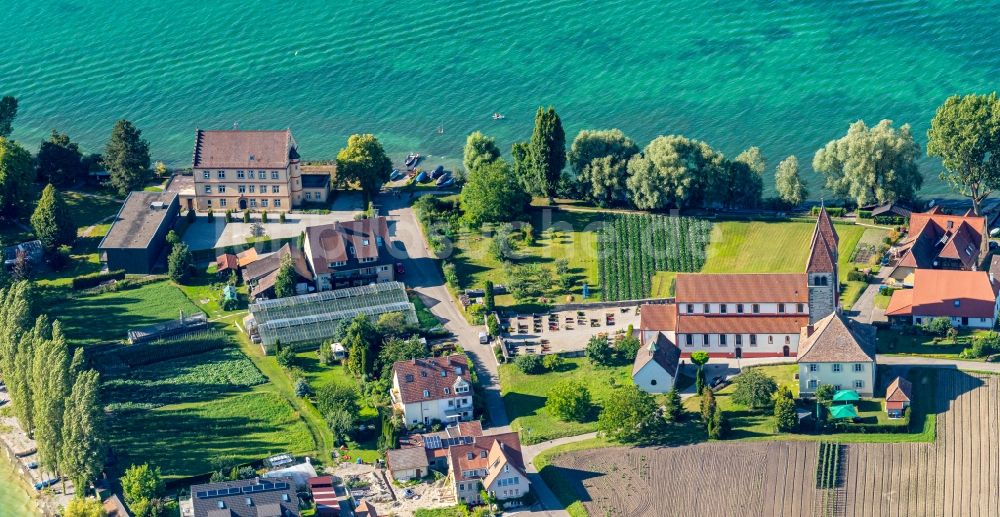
x=312, y=318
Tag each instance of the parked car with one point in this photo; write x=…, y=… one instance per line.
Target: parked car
x=33, y=465
x=407, y=493
x=45, y=484
x=400, y=270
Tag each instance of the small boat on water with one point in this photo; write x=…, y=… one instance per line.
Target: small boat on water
x=437, y=172
x=395, y=175
x=422, y=177
x=445, y=178
x=498, y=116
x=412, y=159
x=447, y=182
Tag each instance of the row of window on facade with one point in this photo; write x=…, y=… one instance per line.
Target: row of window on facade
x=858, y=384
x=242, y=189
x=724, y=341
x=276, y=203
x=242, y=175
x=723, y=308
x=837, y=367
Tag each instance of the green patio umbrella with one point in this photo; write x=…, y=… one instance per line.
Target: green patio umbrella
x=843, y=411
x=846, y=396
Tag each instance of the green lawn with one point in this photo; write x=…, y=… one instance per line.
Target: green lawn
x=882, y=301
x=558, y=235
x=750, y=424
x=765, y=247
x=88, y=210
x=205, y=291
x=189, y=439
x=893, y=341
x=524, y=397
x=426, y=318
x=108, y=317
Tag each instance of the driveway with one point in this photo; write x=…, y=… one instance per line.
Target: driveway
x=424, y=277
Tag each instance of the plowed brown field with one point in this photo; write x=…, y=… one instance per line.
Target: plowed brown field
x=957, y=475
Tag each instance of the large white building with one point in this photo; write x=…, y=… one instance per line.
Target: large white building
x=840, y=352
x=433, y=389
x=749, y=315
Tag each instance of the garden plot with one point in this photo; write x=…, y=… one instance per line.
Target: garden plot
x=633, y=247
x=957, y=475
x=752, y=479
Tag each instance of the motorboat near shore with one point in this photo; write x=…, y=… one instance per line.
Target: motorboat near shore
x=412, y=159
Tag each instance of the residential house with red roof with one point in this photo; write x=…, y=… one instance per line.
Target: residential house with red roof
x=349, y=254
x=420, y=452
x=936, y=240
x=492, y=463
x=967, y=298
x=837, y=351
x=433, y=389
x=898, y=397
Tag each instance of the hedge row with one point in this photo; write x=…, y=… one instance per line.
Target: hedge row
x=95, y=279
x=832, y=211
x=171, y=348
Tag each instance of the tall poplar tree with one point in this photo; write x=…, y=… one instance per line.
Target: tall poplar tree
x=540, y=161
x=17, y=172
x=82, y=426
x=126, y=158
x=51, y=383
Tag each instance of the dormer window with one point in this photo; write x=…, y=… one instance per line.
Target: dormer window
x=427, y=393
x=423, y=374
x=447, y=391
x=409, y=377
x=482, y=454
x=444, y=373
x=458, y=370
x=958, y=303
x=469, y=456
x=365, y=242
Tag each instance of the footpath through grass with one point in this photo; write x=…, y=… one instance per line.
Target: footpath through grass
x=524, y=397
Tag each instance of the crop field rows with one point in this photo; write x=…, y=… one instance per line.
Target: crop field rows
x=957, y=475
x=752, y=479
x=632, y=248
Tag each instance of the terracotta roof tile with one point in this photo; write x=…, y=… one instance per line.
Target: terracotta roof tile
x=952, y=293
x=433, y=374
x=226, y=261
x=740, y=324
x=742, y=288
x=658, y=316
x=899, y=390
x=901, y=303
x=330, y=243
x=249, y=149
x=837, y=339
x=480, y=453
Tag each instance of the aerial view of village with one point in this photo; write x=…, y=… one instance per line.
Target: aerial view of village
x=434, y=260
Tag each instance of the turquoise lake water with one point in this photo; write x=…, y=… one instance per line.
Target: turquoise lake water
x=14, y=502
x=785, y=76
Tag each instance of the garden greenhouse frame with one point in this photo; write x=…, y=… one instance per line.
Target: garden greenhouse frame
x=314, y=317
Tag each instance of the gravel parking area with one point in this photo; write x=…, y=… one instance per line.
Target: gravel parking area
x=567, y=331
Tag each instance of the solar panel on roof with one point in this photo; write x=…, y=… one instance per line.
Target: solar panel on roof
x=281, y=486
x=201, y=495
x=233, y=491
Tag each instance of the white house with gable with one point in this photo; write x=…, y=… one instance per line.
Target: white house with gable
x=432, y=388
x=656, y=364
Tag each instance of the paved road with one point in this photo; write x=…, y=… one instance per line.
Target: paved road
x=423, y=275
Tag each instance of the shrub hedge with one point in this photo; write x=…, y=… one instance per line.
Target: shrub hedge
x=94, y=279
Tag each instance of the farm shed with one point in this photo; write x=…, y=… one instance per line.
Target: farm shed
x=138, y=234
x=313, y=317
